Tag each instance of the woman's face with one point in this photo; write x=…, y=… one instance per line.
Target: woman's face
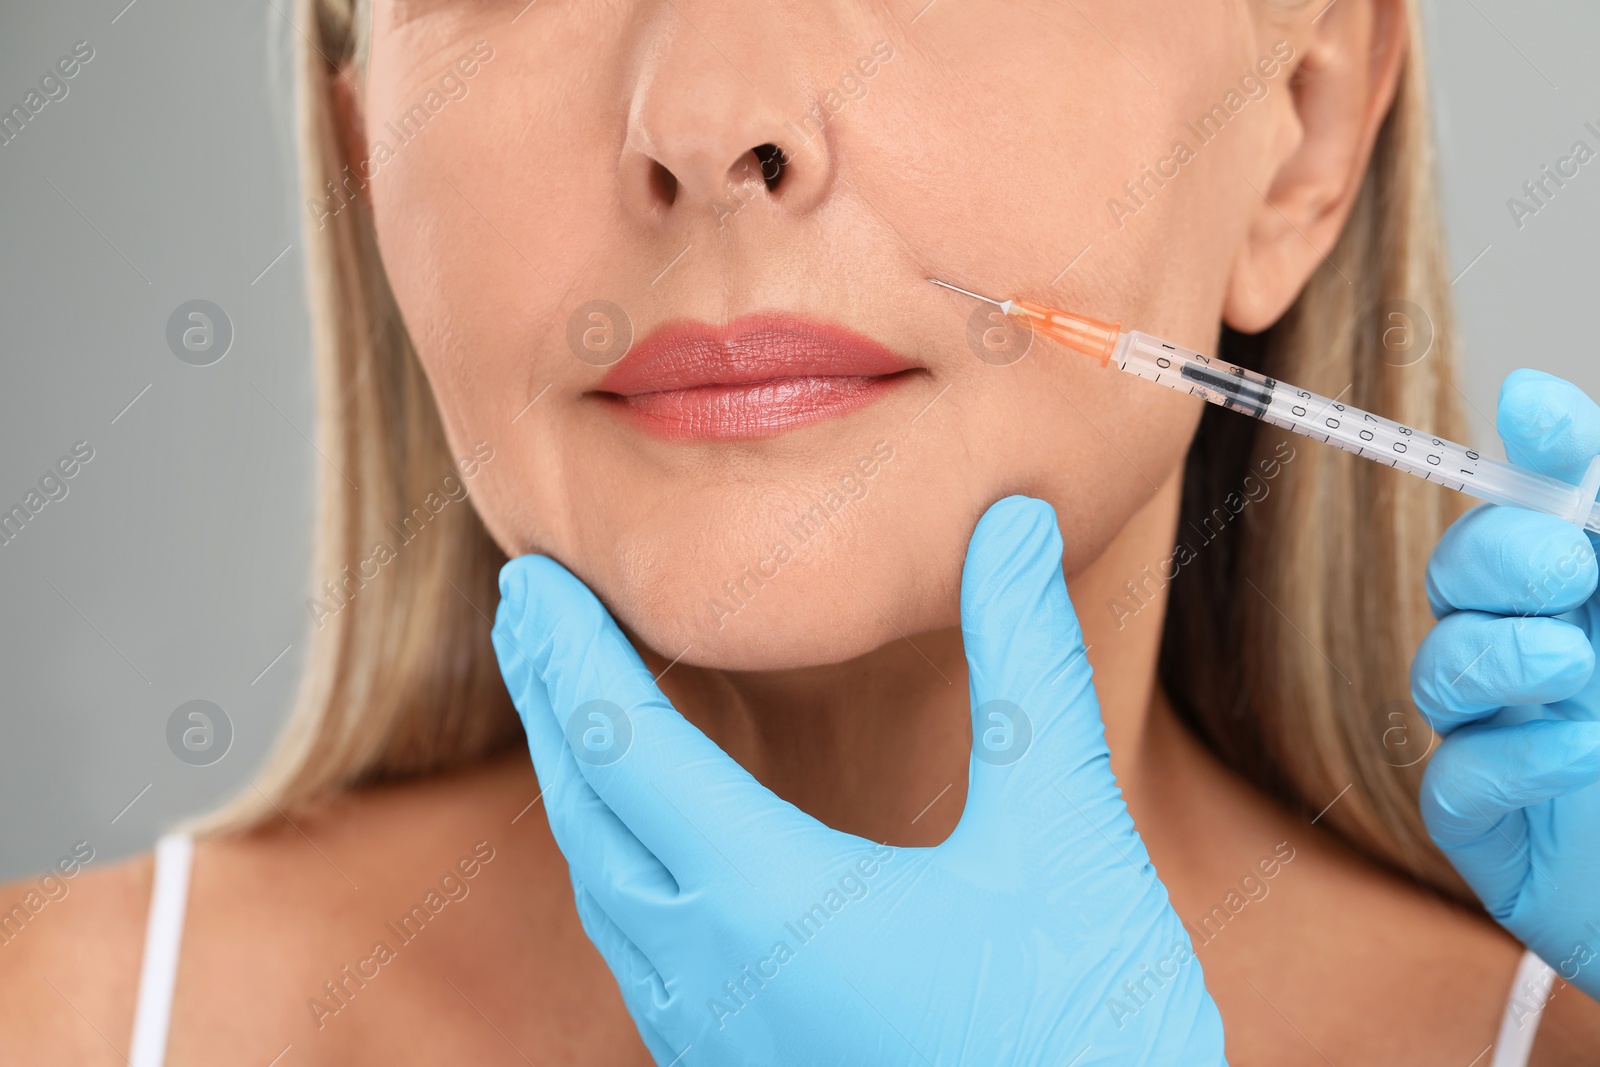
x=787, y=462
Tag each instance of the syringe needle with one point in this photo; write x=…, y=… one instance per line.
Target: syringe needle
x=975, y=296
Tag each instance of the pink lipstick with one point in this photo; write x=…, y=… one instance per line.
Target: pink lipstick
x=758, y=376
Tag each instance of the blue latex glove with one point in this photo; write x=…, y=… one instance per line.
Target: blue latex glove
x=1508, y=676
x=742, y=931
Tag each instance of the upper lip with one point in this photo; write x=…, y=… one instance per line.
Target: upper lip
x=758, y=347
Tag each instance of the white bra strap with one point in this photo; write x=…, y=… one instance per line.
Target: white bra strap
x=163, y=935
x=1520, y=1024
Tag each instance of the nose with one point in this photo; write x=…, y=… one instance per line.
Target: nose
x=715, y=128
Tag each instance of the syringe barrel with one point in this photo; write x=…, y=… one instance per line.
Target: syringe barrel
x=1367, y=435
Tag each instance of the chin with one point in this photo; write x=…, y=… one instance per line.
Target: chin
x=779, y=593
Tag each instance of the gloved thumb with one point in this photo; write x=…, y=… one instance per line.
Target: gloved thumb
x=1035, y=718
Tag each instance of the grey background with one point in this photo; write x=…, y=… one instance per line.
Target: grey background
x=175, y=569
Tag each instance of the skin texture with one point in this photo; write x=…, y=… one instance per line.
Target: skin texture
x=840, y=684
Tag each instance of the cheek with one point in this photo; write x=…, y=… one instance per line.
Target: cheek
x=487, y=246
x=1017, y=135
x=490, y=221
x=1094, y=442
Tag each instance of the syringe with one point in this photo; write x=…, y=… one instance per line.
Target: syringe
x=1304, y=412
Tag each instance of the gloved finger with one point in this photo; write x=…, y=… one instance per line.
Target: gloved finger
x=691, y=805
x=1472, y=664
x=1034, y=710
x=1480, y=780
x=1548, y=425
x=1510, y=561
x=643, y=991
x=599, y=849
x=532, y=701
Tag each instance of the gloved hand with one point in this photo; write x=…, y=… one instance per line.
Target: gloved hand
x=1507, y=675
x=743, y=932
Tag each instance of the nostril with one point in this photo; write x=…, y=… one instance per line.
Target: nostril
x=773, y=164
x=663, y=184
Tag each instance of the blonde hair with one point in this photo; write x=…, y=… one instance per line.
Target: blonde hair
x=402, y=680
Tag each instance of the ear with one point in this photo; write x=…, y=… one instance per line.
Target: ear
x=1349, y=60
x=345, y=90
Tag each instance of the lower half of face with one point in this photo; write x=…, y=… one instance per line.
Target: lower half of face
x=718, y=385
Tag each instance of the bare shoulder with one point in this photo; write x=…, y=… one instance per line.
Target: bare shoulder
x=70, y=945
x=1569, y=1030
x=429, y=921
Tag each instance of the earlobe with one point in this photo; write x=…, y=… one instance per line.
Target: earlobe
x=345, y=90
x=1347, y=68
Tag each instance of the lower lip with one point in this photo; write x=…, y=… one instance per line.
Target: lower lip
x=751, y=409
